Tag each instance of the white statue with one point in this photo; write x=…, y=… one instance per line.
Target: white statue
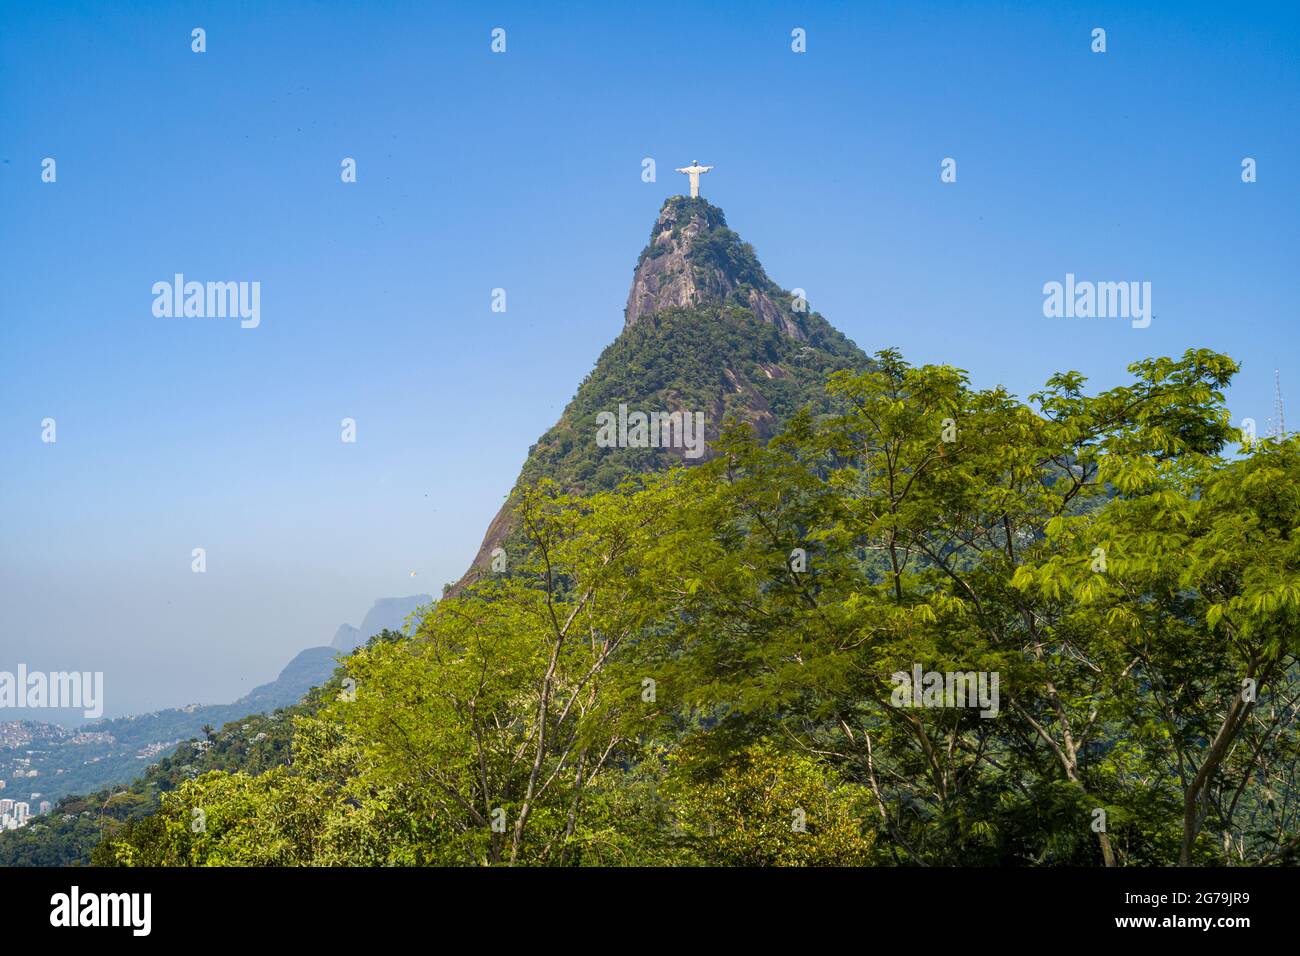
x=694, y=170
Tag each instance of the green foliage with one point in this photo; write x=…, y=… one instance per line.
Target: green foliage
x=658, y=682
x=769, y=808
x=722, y=361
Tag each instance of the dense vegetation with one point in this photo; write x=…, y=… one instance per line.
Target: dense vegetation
x=700, y=665
x=713, y=360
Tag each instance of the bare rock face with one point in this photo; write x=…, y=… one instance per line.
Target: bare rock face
x=665, y=276
x=761, y=304
x=694, y=260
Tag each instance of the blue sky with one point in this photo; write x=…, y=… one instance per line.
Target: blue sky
x=522, y=170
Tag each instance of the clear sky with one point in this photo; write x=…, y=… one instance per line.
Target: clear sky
x=522, y=171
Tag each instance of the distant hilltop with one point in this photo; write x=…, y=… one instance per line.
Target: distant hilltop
x=386, y=614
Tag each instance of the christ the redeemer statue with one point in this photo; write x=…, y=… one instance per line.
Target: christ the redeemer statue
x=694, y=170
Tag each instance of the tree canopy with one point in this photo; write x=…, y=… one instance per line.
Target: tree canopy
x=702, y=665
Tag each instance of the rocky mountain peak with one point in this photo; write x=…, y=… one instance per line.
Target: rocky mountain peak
x=706, y=332
x=695, y=260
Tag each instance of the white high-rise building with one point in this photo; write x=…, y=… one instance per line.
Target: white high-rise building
x=6, y=806
x=22, y=810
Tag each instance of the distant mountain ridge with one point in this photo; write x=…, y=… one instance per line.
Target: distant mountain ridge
x=387, y=614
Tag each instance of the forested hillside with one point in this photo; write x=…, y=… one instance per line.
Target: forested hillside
x=706, y=331
x=711, y=665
